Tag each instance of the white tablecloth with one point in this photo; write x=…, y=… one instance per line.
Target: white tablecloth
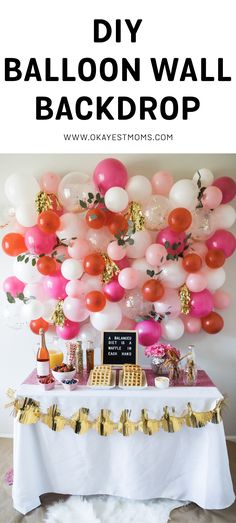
x=191, y=464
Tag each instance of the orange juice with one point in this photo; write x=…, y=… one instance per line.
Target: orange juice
x=55, y=358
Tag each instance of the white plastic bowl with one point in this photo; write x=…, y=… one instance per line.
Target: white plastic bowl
x=59, y=376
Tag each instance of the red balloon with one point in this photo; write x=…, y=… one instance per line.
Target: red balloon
x=180, y=219
x=118, y=224
x=95, y=301
x=215, y=258
x=95, y=218
x=152, y=290
x=48, y=222
x=13, y=244
x=192, y=263
x=46, y=265
x=212, y=323
x=38, y=324
x=94, y=264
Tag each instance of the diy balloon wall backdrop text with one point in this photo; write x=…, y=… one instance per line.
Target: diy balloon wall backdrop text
x=109, y=251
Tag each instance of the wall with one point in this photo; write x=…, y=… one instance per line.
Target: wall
x=216, y=354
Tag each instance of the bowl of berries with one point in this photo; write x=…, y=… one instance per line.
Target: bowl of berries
x=70, y=384
x=47, y=383
x=63, y=372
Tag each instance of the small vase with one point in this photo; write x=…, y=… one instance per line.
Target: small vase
x=158, y=368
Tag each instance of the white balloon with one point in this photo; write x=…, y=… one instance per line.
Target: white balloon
x=21, y=188
x=26, y=214
x=116, y=199
x=33, y=310
x=109, y=318
x=184, y=194
x=48, y=309
x=142, y=240
x=155, y=212
x=26, y=272
x=205, y=175
x=71, y=226
x=172, y=274
x=72, y=269
x=89, y=333
x=141, y=265
x=139, y=188
x=215, y=278
x=202, y=224
x=223, y=217
x=173, y=329
x=35, y=290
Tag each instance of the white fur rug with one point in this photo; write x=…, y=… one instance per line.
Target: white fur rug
x=108, y=509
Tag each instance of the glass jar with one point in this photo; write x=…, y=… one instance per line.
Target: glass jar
x=90, y=356
x=190, y=368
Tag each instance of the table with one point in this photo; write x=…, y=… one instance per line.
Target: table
x=190, y=464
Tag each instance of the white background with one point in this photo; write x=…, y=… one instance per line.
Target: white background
x=170, y=28
x=215, y=353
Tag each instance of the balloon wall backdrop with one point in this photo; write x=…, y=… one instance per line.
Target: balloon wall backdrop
x=112, y=251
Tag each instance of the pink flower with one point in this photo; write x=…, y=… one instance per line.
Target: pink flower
x=159, y=350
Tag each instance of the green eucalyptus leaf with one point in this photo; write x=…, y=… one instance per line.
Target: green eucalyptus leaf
x=10, y=298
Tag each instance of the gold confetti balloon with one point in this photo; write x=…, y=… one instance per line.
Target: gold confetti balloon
x=155, y=212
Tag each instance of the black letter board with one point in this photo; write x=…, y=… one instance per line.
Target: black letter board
x=119, y=347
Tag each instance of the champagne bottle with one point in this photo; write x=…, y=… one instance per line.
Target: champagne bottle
x=43, y=366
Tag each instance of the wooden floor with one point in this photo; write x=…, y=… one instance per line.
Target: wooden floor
x=189, y=514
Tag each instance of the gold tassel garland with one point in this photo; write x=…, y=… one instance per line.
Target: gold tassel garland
x=44, y=202
x=111, y=269
x=58, y=316
x=136, y=216
x=184, y=294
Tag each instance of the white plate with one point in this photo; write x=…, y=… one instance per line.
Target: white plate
x=143, y=386
x=104, y=387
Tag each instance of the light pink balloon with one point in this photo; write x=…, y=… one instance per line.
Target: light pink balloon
x=36, y=290
x=78, y=249
x=76, y=288
x=19, y=228
x=212, y=197
x=192, y=325
x=199, y=248
x=62, y=252
x=128, y=278
x=115, y=251
x=162, y=182
x=49, y=182
x=75, y=309
x=170, y=303
x=156, y=254
x=221, y=299
x=93, y=283
x=196, y=282
x=142, y=240
x=13, y=286
x=127, y=324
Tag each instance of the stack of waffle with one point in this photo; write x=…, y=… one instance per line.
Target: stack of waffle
x=100, y=376
x=132, y=375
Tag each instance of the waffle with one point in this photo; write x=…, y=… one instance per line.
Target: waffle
x=129, y=367
x=101, y=376
x=132, y=376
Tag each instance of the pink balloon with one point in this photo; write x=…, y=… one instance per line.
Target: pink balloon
x=92, y=283
x=115, y=251
x=201, y=303
x=110, y=173
x=127, y=324
x=162, y=182
x=170, y=303
x=192, y=325
x=149, y=332
x=196, y=282
x=69, y=331
x=62, y=251
x=13, y=286
x=19, y=228
x=156, y=254
x=113, y=291
x=78, y=249
x=122, y=264
x=37, y=242
x=227, y=186
x=49, y=182
x=128, y=278
x=223, y=240
x=212, y=197
x=221, y=299
x=199, y=248
x=75, y=309
x=55, y=286
x=76, y=288
x=167, y=235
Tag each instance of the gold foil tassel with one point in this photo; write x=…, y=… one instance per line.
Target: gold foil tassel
x=29, y=412
x=125, y=425
x=53, y=419
x=148, y=426
x=185, y=298
x=136, y=216
x=79, y=421
x=43, y=202
x=103, y=424
x=58, y=316
x=111, y=269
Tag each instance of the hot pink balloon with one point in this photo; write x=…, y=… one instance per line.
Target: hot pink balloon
x=196, y=282
x=162, y=182
x=55, y=286
x=76, y=288
x=69, y=330
x=201, y=303
x=75, y=309
x=127, y=324
x=13, y=286
x=122, y=264
x=128, y=278
x=212, y=197
x=192, y=325
x=170, y=303
x=50, y=182
x=223, y=240
x=149, y=332
x=227, y=186
x=156, y=254
x=78, y=249
x=37, y=242
x=110, y=173
x=167, y=235
x=113, y=291
x=115, y=251
x=221, y=299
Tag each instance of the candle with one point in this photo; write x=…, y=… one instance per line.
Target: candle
x=161, y=382
x=55, y=358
